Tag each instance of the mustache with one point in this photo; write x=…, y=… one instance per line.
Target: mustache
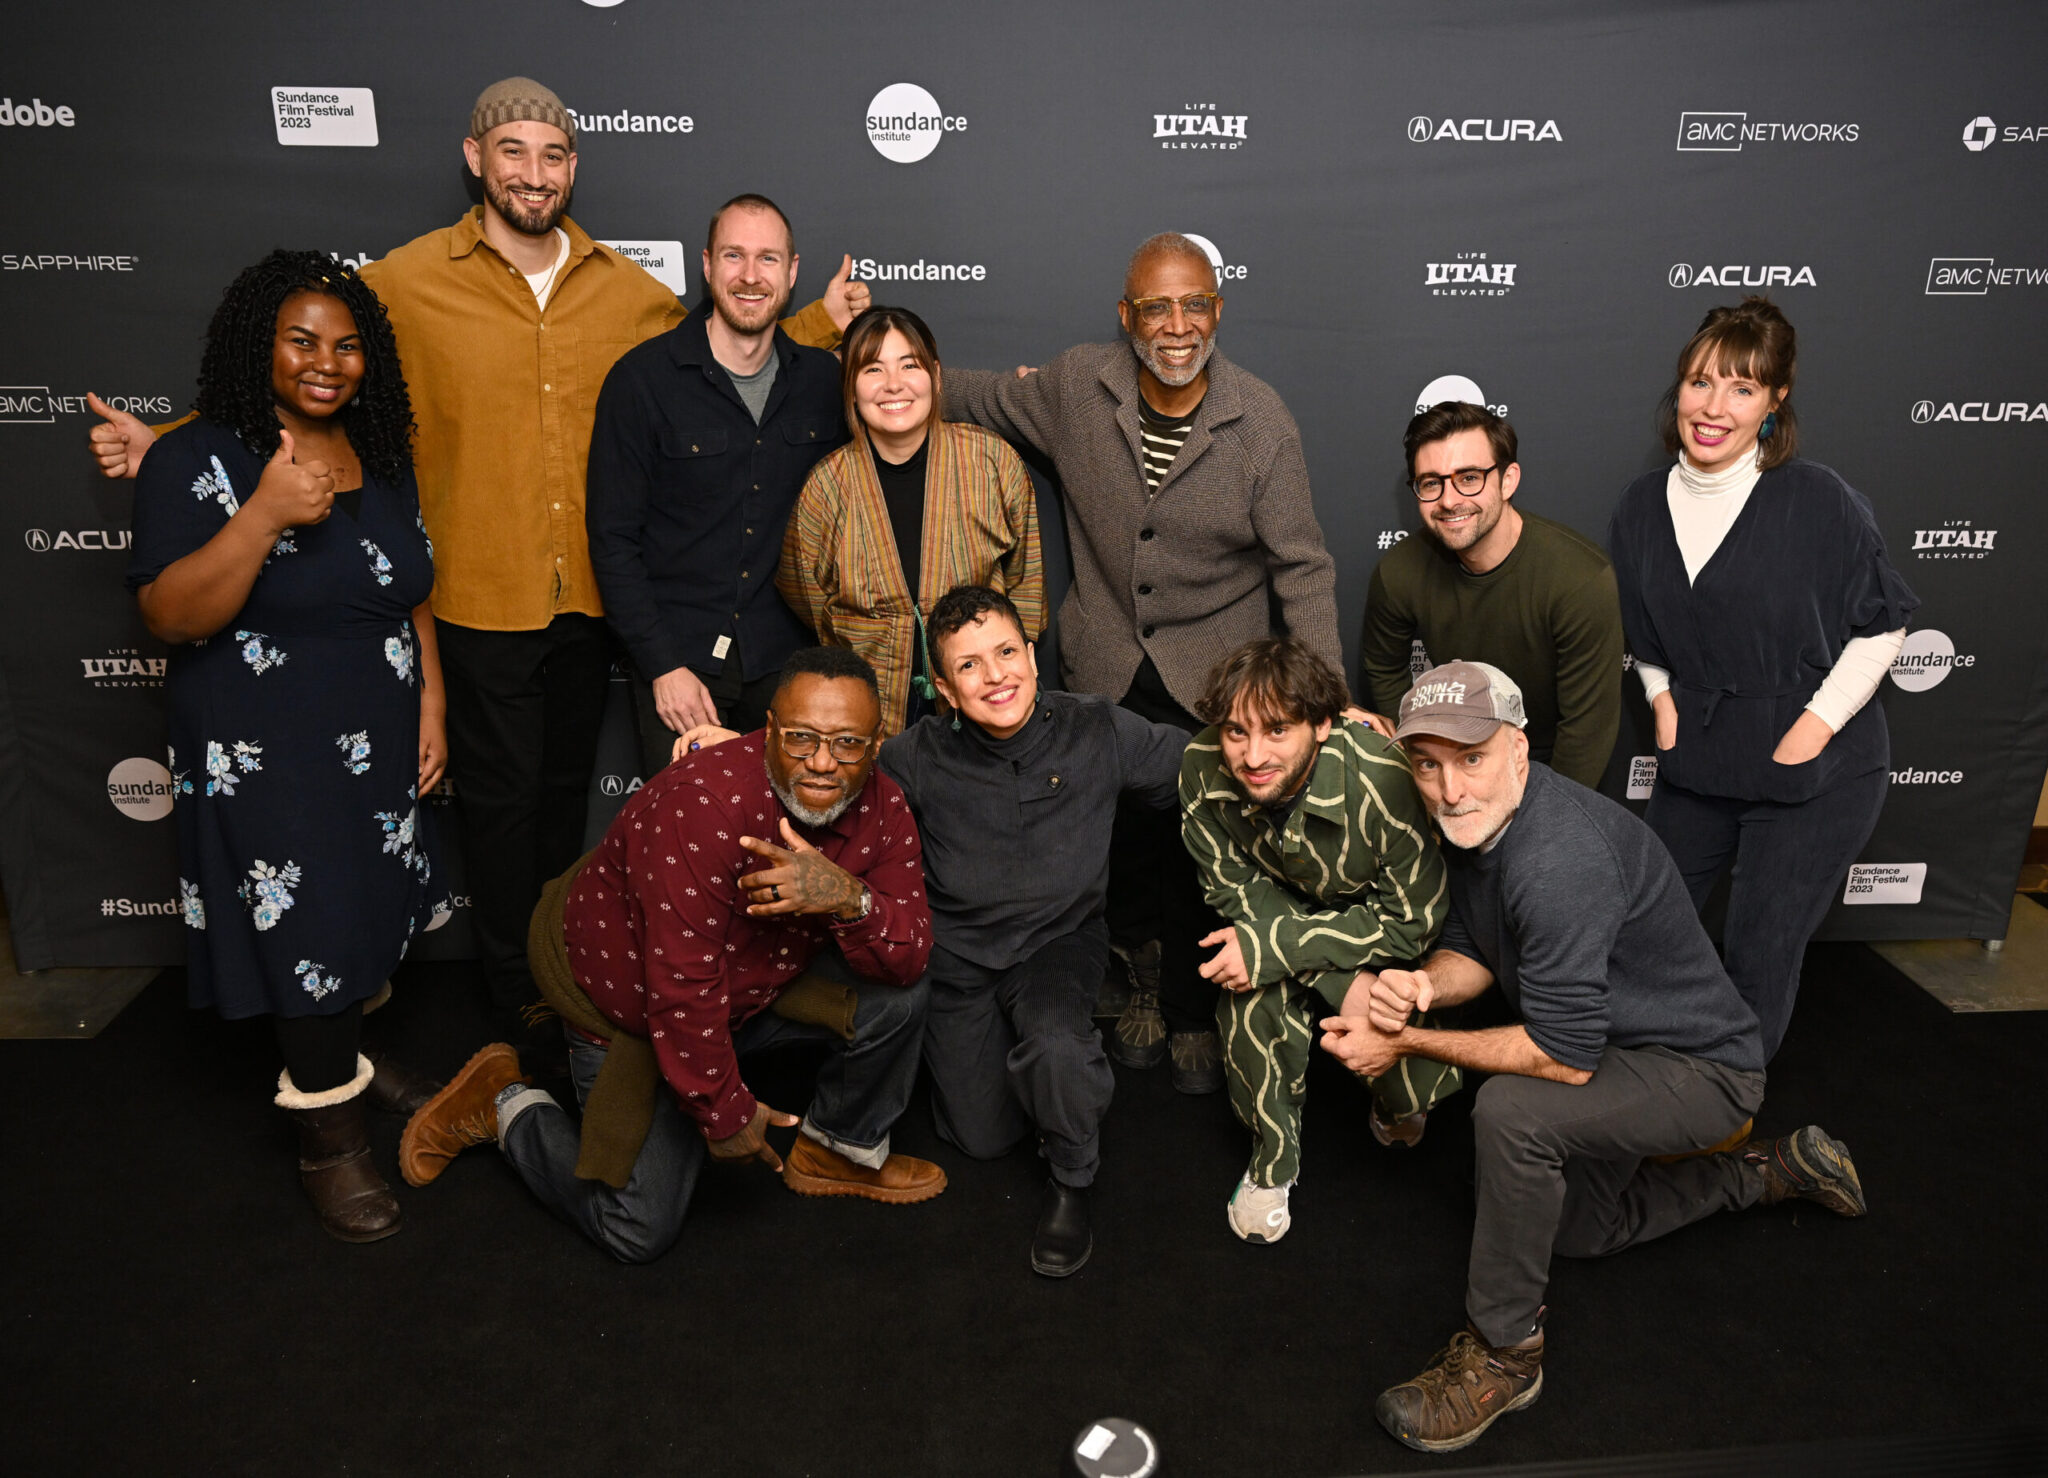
x=1470, y=808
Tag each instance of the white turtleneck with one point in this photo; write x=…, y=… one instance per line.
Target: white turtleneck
x=1704, y=506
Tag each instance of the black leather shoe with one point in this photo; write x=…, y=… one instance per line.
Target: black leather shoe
x=396, y=1088
x=1063, y=1240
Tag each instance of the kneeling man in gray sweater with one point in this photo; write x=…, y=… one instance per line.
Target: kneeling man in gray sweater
x=1631, y=1047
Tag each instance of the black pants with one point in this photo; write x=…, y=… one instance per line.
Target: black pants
x=1015, y=1050
x=1789, y=864
x=320, y=1051
x=742, y=704
x=1566, y=1169
x=524, y=709
x=1155, y=891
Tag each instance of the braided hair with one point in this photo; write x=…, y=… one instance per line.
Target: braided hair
x=234, y=372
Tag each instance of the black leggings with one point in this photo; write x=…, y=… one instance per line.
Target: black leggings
x=320, y=1051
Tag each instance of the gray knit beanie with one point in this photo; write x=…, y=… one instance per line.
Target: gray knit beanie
x=518, y=98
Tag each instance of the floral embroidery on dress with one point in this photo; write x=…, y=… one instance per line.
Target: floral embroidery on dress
x=419, y=522
x=258, y=656
x=356, y=751
x=179, y=784
x=268, y=891
x=284, y=545
x=221, y=765
x=191, y=905
x=398, y=652
x=380, y=563
x=401, y=839
x=317, y=986
x=215, y=485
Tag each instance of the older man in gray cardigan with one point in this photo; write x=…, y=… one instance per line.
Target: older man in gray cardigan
x=1190, y=523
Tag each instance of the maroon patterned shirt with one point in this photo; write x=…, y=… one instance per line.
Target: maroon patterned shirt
x=659, y=936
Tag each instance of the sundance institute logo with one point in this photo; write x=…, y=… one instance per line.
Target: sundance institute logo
x=905, y=123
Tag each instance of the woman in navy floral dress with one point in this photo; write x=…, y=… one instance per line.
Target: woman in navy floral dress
x=278, y=550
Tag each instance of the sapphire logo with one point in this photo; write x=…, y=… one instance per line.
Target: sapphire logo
x=1980, y=135
x=1423, y=130
x=905, y=123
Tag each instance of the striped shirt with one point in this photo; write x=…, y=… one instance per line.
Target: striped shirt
x=1351, y=879
x=1163, y=438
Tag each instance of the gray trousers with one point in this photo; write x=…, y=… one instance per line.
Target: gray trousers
x=1565, y=1169
x=1015, y=1050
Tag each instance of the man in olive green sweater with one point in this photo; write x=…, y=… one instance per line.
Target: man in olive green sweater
x=1493, y=584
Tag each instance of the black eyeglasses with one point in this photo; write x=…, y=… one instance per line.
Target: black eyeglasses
x=801, y=744
x=1467, y=480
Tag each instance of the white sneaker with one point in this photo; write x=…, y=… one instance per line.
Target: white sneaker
x=1258, y=1213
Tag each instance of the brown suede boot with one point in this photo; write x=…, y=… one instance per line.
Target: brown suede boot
x=460, y=1115
x=810, y=1169
x=351, y=1199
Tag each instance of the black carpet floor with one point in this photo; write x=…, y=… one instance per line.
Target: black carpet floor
x=170, y=1306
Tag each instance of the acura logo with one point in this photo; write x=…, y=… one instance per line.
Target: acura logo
x=1419, y=129
x=612, y=785
x=1681, y=275
x=1923, y=412
x=37, y=540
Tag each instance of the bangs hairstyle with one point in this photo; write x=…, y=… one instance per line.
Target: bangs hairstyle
x=1275, y=677
x=862, y=346
x=234, y=370
x=1447, y=418
x=1755, y=341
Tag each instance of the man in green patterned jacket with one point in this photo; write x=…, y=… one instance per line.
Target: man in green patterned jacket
x=1312, y=842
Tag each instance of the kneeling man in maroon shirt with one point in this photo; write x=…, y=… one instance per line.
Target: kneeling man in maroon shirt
x=725, y=878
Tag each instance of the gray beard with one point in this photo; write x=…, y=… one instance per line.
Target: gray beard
x=807, y=815
x=1148, y=356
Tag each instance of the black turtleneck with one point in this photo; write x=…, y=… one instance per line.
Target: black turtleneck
x=903, y=494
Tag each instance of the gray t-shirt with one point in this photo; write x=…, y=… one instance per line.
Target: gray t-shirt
x=1585, y=923
x=754, y=388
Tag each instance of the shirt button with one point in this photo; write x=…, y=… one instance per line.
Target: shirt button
x=757, y=487
x=750, y=531
x=743, y=574
x=558, y=505
x=1144, y=533
x=1146, y=632
x=1144, y=590
x=547, y=387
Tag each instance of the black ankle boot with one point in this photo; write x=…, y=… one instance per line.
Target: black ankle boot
x=397, y=1089
x=1063, y=1240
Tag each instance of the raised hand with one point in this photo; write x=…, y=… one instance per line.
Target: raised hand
x=799, y=879
x=845, y=299
x=118, y=441
x=291, y=495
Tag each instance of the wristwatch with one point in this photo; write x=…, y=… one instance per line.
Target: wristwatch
x=867, y=904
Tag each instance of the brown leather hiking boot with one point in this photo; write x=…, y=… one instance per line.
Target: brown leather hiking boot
x=1467, y=1388
x=810, y=1169
x=1809, y=1166
x=460, y=1115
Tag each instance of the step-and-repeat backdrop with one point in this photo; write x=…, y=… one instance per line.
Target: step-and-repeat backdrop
x=1540, y=200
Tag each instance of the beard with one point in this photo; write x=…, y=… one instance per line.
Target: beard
x=1290, y=781
x=1147, y=351
x=1471, y=534
x=810, y=815
x=744, y=320
x=527, y=220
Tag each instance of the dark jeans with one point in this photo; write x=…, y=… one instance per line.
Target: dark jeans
x=523, y=715
x=1565, y=1169
x=1155, y=891
x=742, y=704
x=862, y=1090
x=1789, y=864
x=1014, y=1050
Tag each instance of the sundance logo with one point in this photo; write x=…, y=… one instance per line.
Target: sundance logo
x=325, y=117
x=1455, y=387
x=1926, y=411
x=1471, y=275
x=663, y=260
x=867, y=269
x=624, y=121
x=35, y=113
x=1973, y=277
x=124, y=667
x=138, y=908
x=1885, y=882
x=1927, y=658
x=905, y=123
x=1980, y=133
x=110, y=541
x=1726, y=133
x=1200, y=126
x=1682, y=275
x=1642, y=776
x=1927, y=777
x=1225, y=271
x=1425, y=130
x=46, y=262
x=140, y=789
x=1957, y=540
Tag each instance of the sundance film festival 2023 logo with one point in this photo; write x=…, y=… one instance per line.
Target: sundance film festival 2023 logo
x=1885, y=882
x=1926, y=659
x=1974, y=277
x=325, y=117
x=1423, y=129
x=1200, y=126
x=1469, y=274
x=1981, y=132
x=1744, y=274
x=1726, y=133
x=905, y=123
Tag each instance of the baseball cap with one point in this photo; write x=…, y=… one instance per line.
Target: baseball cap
x=1461, y=701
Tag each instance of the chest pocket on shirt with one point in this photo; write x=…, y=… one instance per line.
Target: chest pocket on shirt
x=806, y=433
x=692, y=443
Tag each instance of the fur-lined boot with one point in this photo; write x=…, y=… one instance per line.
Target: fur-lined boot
x=348, y=1195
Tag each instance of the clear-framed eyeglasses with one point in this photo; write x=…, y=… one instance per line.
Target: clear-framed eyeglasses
x=801, y=744
x=1195, y=307
x=1466, y=480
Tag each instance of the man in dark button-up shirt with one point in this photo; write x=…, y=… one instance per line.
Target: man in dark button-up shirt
x=704, y=437
x=1014, y=800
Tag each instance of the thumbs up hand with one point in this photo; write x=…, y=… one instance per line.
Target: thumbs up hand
x=846, y=299
x=118, y=441
x=293, y=494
